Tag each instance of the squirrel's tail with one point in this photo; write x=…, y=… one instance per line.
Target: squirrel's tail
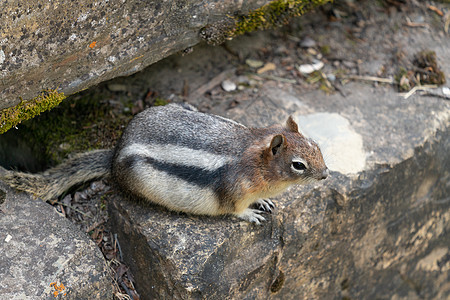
x=53, y=182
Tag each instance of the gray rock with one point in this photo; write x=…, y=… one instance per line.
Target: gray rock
x=73, y=45
x=378, y=227
x=42, y=253
x=180, y=257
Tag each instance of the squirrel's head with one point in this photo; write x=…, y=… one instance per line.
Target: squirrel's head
x=291, y=157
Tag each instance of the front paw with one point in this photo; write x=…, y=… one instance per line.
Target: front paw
x=251, y=215
x=265, y=205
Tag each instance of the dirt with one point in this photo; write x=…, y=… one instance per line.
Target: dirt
x=368, y=41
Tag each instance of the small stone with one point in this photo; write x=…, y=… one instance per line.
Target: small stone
x=253, y=63
x=331, y=77
x=281, y=50
x=349, y=64
x=446, y=91
x=307, y=42
x=242, y=80
x=312, y=51
x=228, y=85
x=252, y=82
x=309, y=68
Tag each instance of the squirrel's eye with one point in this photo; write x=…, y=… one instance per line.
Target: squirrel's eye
x=298, y=165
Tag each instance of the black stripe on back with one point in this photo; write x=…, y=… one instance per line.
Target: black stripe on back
x=194, y=175
x=191, y=174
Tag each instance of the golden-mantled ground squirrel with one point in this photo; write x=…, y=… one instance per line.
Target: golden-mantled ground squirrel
x=192, y=162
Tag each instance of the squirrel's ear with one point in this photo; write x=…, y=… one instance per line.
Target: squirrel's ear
x=291, y=125
x=277, y=143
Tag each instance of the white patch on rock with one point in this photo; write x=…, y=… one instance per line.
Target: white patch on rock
x=73, y=37
x=341, y=146
x=8, y=238
x=76, y=82
x=82, y=17
x=2, y=56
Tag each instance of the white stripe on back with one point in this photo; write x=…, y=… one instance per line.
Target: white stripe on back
x=178, y=155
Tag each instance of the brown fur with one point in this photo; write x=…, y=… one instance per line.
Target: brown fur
x=266, y=166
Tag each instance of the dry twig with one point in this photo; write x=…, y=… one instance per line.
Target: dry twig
x=272, y=77
x=211, y=84
x=418, y=88
x=369, y=78
x=415, y=24
x=436, y=10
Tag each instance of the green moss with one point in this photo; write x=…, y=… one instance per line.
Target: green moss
x=83, y=122
x=26, y=110
x=160, y=101
x=314, y=77
x=275, y=13
x=325, y=50
x=79, y=125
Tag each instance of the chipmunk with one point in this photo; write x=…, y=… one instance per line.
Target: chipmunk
x=192, y=162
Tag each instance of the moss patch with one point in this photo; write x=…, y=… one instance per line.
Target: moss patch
x=85, y=124
x=84, y=121
x=26, y=110
x=160, y=101
x=273, y=14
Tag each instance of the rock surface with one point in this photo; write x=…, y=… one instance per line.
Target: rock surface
x=380, y=231
x=77, y=44
x=378, y=227
x=43, y=255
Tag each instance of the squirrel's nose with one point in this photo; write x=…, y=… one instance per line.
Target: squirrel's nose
x=324, y=174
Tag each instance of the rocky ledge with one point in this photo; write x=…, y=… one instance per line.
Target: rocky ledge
x=377, y=227
x=49, y=50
